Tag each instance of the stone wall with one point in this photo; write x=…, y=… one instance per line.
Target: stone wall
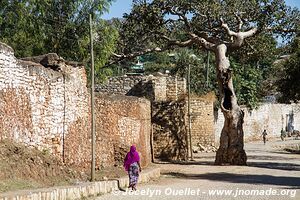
x=170, y=127
x=122, y=121
x=272, y=117
x=43, y=107
x=169, y=130
x=176, y=88
x=45, y=104
x=154, y=88
x=128, y=85
x=202, y=123
x=169, y=112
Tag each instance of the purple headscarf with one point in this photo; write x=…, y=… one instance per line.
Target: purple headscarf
x=131, y=157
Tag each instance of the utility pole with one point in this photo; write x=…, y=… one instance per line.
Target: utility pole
x=92, y=103
x=207, y=70
x=189, y=110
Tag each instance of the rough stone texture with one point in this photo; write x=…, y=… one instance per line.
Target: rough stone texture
x=160, y=88
x=126, y=120
x=48, y=106
x=176, y=88
x=202, y=125
x=272, y=117
x=42, y=107
x=169, y=112
x=169, y=130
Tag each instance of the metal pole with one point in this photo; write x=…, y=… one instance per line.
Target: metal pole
x=207, y=69
x=189, y=110
x=92, y=103
x=151, y=145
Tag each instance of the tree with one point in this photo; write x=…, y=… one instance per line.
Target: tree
x=289, y=83
x=219, y=26
x=34, y=27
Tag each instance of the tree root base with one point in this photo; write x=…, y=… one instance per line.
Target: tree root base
x=231, y=156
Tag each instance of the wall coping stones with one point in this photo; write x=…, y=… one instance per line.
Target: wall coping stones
x=6, y=47
x=88, y=189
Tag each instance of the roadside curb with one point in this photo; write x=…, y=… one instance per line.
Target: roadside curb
x=79, y=191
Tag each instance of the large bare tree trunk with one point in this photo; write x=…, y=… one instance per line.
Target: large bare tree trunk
x=231, y=150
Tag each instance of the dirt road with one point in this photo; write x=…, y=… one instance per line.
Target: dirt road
x=271, y=174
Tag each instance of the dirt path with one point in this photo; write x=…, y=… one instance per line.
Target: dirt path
x=270, y=174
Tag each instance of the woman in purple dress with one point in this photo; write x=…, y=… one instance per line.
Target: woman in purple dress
x=132, y=166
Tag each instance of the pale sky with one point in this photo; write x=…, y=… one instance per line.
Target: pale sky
x=123, y=6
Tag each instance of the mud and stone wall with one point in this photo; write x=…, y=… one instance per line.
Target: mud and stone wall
x=169, y=112
x=122, y=121
x=170, y=130
x=154, y=88
x=202, y=123
x=272, y=117
x=45, y=103
x=45, y=107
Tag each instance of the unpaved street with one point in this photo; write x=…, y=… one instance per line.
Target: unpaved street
x=270, y=174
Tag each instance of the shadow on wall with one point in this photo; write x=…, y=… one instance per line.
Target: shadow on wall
x=169, y=130
x=120, y=151
x=142, y=89
x=216, y=112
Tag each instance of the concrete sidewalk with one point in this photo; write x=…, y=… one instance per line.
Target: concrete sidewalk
x=80, y=191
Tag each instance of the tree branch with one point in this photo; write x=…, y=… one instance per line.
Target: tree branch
x=171, y=43
x=181, y=16
x=282, y=30
x=202, y=42
x=238, y=37
x=227, y=29
x=240, y=22
x=249, y=33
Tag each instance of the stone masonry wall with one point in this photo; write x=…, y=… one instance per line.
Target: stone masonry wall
x=169, y=130
x=202, y=122
x=169, y=112
x=154, y=88
x=121, y=122
x=48, y=106
x=176, y=88
x=43, y=107
x=271, y=117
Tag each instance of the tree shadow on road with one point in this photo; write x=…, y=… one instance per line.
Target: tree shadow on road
x=275, y=165
x=208, y=163
x=293, y=182
x=268, y=157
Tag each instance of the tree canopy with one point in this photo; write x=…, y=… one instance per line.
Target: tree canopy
x=34, y=27
x=288, y=83
x=156, y=25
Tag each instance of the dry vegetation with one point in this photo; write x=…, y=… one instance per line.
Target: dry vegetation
x=27, y=168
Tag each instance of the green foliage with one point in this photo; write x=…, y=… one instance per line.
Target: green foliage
x=247, y=81
x=289, y=83
x=177, y=62
x=172, y=24
x=252, y=66
x=149, y=20
x=34, y=27
x=158, y=62
x=198, y=66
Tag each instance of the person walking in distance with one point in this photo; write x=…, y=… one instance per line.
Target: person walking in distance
x=264, y=134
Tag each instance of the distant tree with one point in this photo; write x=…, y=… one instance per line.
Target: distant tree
x=177, y=62
x=288, y=84
x=34, y=27
x=219, y=26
